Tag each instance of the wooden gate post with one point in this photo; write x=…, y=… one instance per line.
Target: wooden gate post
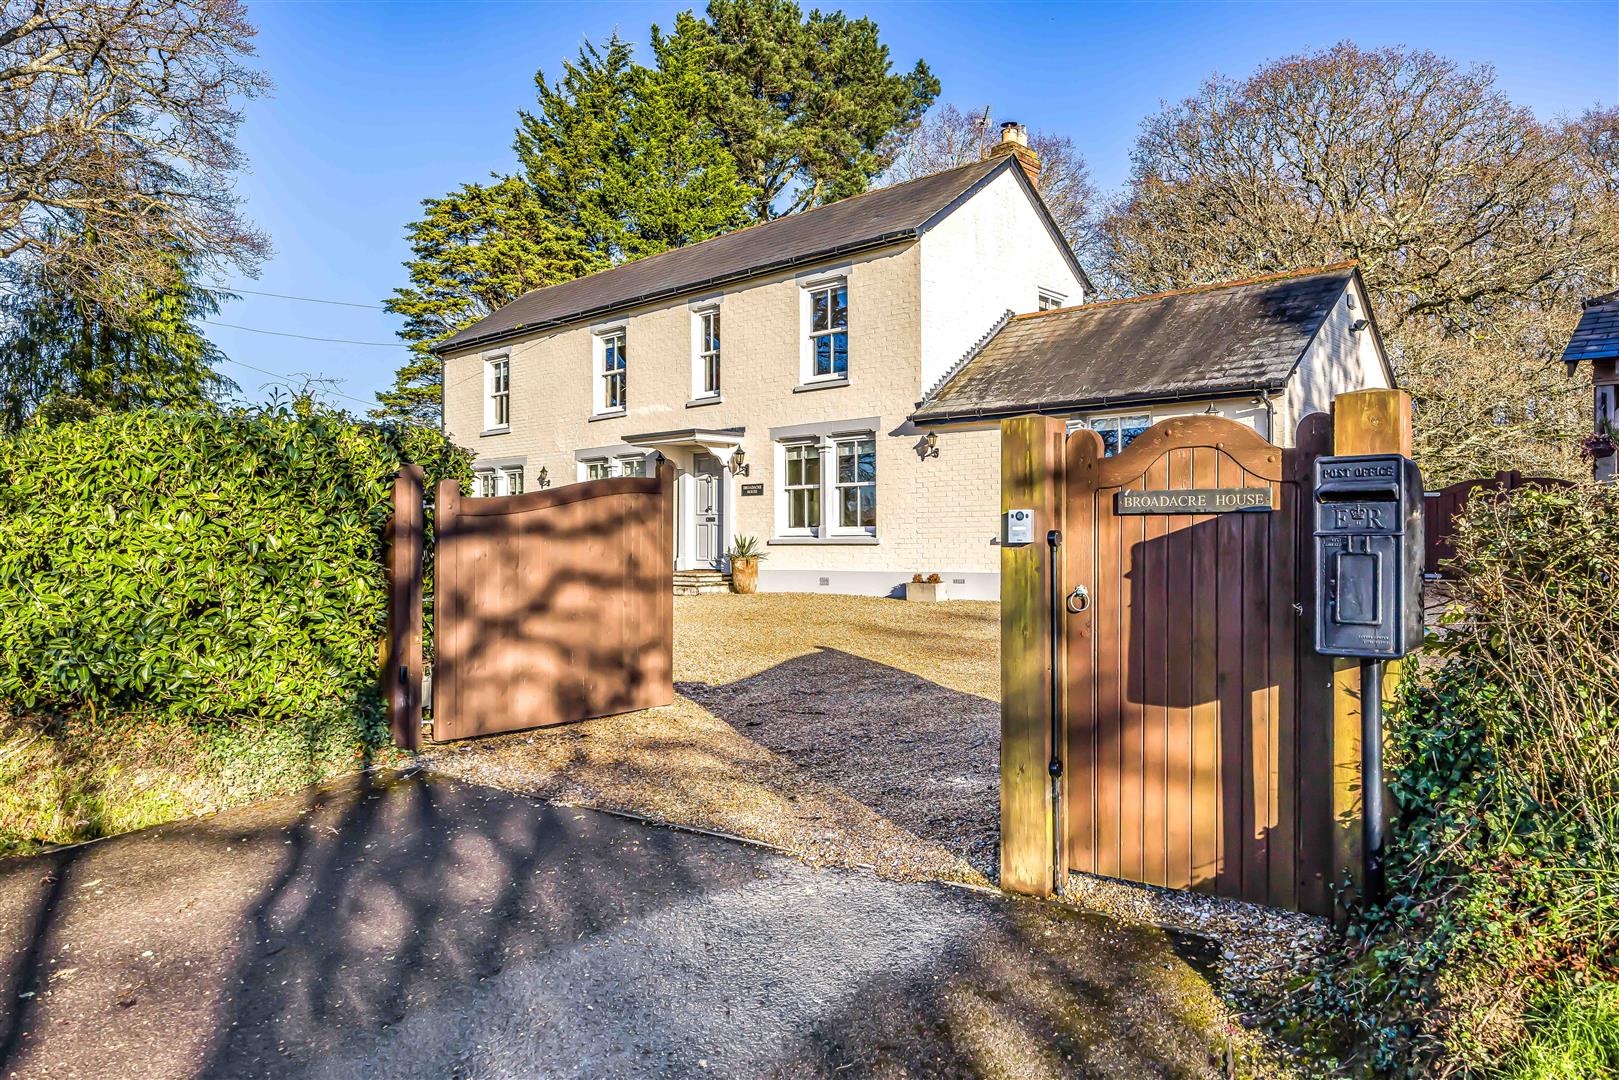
x=1363, y=422
x=402, y=674
x=1031, y=478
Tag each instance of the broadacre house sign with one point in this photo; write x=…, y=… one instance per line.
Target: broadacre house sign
x=1194, y=501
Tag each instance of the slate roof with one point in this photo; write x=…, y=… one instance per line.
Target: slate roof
x=888, y=215
x=1597, y=335
x=1232, y=337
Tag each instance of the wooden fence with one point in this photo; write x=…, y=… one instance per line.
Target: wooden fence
x=1443, y=508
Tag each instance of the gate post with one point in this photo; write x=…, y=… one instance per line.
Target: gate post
x=1032, y=478
x=1363, y=422
x=402, y=674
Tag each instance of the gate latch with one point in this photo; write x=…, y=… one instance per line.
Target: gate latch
x=1079, y=601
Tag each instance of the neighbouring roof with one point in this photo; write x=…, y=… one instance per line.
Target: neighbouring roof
x=1227, y=338
x=1597, y=335
x=888, y=215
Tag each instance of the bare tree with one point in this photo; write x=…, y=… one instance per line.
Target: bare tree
x=118, y=121
x=1478, y=227
x=948, y=137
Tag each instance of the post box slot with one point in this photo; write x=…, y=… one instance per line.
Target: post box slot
x=1359, y=493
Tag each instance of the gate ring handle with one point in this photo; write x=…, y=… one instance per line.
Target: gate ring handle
x=1079, y=601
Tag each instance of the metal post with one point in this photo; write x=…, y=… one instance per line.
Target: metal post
x=1054, y=576
x=1371, y=774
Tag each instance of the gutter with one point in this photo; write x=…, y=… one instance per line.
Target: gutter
x=1082, y=404
x=671, y=292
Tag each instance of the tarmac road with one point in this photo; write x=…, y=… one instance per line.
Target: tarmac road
x=414, y=926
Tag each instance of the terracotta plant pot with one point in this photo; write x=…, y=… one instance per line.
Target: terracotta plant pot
x=745, y=575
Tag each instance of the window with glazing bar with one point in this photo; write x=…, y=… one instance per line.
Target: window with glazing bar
x=802, y=484
x=500, y=393
x=829, y=331
x=708, y=353
x=613, y=371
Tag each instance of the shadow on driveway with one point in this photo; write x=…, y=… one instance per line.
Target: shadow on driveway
x=417, y=926
x=924, y=756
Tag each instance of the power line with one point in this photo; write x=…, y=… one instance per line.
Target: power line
x=290, y=381
x=287, y=296
x=308, y=337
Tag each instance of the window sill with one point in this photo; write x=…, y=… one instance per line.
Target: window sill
x=486, y=432
x=824, y=541
x=698, y=403
x=610, y=415
x=819, y=384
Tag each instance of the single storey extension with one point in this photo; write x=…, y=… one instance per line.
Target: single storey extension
x=831, y=382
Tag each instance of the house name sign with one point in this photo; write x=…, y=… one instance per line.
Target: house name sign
x=1194, y=501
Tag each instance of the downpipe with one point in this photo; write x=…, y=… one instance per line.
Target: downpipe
x=1054, y=767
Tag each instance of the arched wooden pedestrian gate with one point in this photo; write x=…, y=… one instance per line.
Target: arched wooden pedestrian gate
x=1180, y=730
x=1194, y=748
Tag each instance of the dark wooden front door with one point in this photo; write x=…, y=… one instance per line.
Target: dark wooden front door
x=1197, y=715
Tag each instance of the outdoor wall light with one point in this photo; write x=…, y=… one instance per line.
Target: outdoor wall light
x=933, y=445
x=544, y=477
x=739, y=462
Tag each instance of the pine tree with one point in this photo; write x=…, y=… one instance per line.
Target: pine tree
x=624, y=151
x=475, y=249
x=66, y=355
x=808, y=105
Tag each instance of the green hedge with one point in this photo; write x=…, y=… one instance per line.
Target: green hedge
x=208, y=564
x=1497, y=952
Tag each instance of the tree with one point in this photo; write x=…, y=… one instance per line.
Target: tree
x=807, y=105
x=948, y=137
x=118, y=121
x=623, y=151
x=67, y=356
x=1476, y=226
x=473, y=250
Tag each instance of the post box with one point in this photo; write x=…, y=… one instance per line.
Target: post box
x=1368, y=556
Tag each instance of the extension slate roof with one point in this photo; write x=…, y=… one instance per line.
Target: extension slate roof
x=877, y=218
x=1232, y=337
x=1597, y=335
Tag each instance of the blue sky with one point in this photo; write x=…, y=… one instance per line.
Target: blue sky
x=378, y=106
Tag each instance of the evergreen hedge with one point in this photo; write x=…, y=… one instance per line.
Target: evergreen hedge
x=208, y=563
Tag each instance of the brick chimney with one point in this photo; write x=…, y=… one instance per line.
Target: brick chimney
x=1015, y=141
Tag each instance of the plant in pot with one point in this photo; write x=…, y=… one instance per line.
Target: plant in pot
x=1598, y=445
x=927, y=589
x=745, y=554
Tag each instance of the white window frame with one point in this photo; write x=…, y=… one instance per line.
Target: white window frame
x=825, y=449
x=605, y=465
x=496, y=481
x=808, y=289
x=621, y=465
x=497, y=393
x=602, y=379
x=1049, y=300
x=702, y=356
x=1114, y=422
x=836, y=485
x=815, y=449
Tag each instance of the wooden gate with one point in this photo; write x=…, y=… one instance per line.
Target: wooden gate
x=1198, y=716
x=552, y=606
x=1442, y=508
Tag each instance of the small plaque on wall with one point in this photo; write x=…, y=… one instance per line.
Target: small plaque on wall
x=753, y=489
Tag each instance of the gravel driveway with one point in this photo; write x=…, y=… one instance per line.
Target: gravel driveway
x=421, y=927
x=849, y=730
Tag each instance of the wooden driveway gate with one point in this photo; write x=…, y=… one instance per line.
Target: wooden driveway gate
x=1194, y=748
x=551, y=606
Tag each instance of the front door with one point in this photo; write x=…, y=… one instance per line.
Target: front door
x=706, y=509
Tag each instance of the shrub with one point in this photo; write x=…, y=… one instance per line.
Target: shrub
x=215, y=568
x=1497, y=950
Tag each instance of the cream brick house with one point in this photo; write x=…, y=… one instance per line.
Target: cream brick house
x=788, y=371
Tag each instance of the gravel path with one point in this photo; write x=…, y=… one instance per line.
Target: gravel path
x=420, y=927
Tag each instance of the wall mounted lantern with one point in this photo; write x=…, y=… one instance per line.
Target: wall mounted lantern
x=739, y=462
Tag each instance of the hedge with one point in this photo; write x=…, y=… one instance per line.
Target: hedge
x=207, y=563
